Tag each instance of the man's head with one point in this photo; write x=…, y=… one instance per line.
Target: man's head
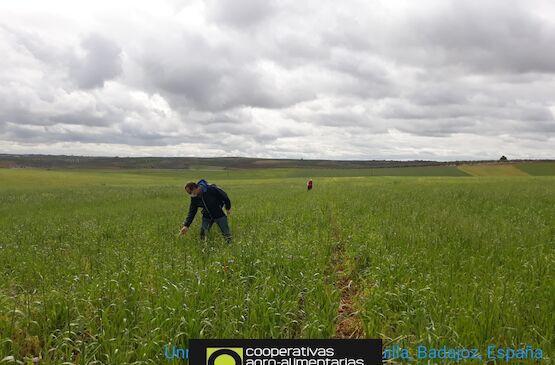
x=193, y=189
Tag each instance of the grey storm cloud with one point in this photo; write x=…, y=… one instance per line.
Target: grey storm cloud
x=240, y=13
x=190, y=70
x=487, y=36
x=96, y=59
x=128, y=136
x=283, y=78
x=241, y=123
x=24, y=116
x=100, y=61
x=31, y=42
x=217, y=88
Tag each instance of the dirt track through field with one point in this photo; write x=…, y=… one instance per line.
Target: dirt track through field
x=347, y=322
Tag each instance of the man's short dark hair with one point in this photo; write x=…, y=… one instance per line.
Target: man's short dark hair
x=190, y=186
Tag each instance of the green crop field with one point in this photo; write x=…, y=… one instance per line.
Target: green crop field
x=92, y=270
x=538, y=168
x=492, y=170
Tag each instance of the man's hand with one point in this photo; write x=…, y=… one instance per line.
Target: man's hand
x=228, y=212
x=183, y=231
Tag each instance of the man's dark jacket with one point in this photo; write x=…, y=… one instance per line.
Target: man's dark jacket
x=211, y=201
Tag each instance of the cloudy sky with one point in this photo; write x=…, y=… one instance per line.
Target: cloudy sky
x=369, y=79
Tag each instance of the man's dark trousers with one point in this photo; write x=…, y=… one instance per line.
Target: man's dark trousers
x=221, y=222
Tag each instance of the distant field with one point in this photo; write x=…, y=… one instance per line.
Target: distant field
x=91, y=269
x=538, y=168
x=419, y=171
x=54, y=177
x=37, y=178
x=492, y=170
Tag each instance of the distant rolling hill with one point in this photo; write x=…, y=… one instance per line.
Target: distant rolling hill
x=372, y=167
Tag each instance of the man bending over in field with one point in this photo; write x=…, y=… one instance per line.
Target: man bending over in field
x=211, y=199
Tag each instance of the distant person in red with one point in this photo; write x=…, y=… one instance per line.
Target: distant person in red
x=309, y=184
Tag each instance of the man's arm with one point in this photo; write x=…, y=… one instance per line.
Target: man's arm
x=191, y=215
